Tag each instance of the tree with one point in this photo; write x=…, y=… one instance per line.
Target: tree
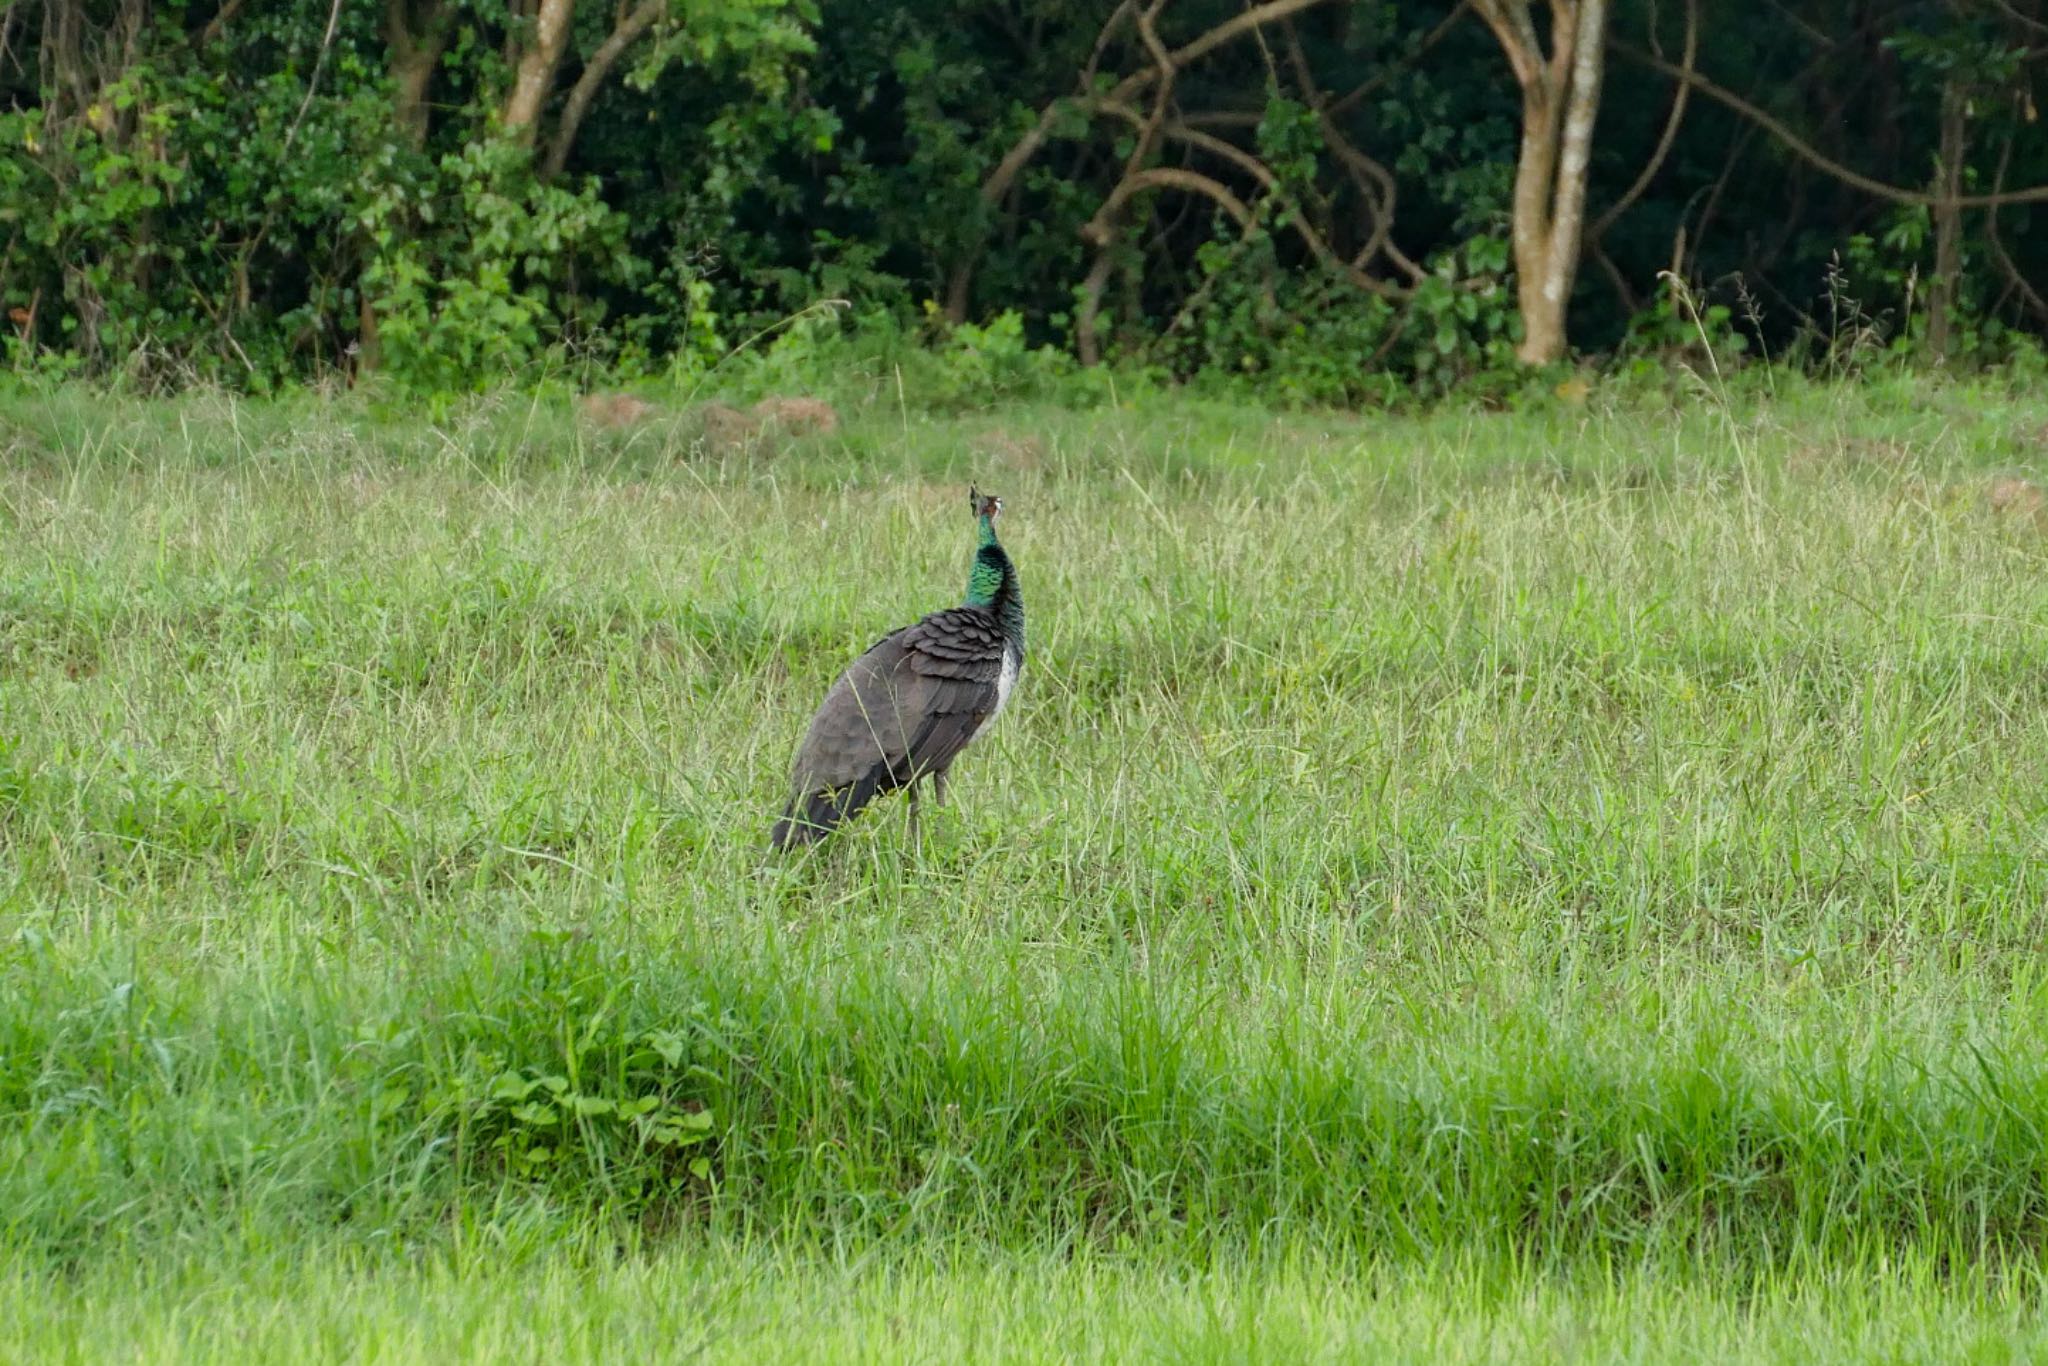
x=1965, y=61
x=1560, y=102
x=545, y=41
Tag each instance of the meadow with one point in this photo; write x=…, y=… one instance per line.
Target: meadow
x=1543, y=884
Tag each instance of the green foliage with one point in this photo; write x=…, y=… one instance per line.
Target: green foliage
x=238, y=195
x=1326, y=342
x=467, y=266
x=937, y=367
x=1679, y=327
x=979, y=365
x=559, y=1087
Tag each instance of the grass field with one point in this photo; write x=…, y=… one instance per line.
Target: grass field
x=1485, y=885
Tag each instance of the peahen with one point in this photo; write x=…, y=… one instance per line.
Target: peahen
x=904, y=710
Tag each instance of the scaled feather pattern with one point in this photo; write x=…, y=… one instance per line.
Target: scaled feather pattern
x=905, y=710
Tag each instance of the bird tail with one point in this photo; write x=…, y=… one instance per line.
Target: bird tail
x=810, y=816
x=794, y=831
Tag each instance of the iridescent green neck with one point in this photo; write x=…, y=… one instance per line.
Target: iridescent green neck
x=990, y=568
x=986, y=581
x=993, y=584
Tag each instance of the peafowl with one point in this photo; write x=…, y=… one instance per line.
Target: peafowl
x=904, y=710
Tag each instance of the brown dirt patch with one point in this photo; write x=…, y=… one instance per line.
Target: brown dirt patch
x=2012, y=497
x=614, y=410
x=1848, y=452
x=724, y=427
x=797, y=416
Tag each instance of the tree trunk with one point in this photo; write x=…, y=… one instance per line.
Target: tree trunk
x=1560, y=103
x=416, y=39
x=1948, y=225
x=416, y=48
x=1543, y=337
x=537, y=65
x=369, y=351
x=412, y=72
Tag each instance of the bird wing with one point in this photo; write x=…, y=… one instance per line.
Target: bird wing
x=864, y=720
x=956, y=657
x=908, y=705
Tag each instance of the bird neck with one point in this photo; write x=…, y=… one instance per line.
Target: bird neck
x=991, y=576
x=993, y=584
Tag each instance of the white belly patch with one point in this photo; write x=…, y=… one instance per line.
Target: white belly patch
x=1006, y=681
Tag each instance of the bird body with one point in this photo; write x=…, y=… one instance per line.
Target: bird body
x=906, y=708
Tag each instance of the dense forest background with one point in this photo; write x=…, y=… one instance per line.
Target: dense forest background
x=1349, y=201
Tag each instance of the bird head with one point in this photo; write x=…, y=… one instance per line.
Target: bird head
x=984, y=504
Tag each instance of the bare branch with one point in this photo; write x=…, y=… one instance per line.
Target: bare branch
x=1019, y=156
x=1380, y=78
x=1627, y=296
x=1298, y=221
x=1090, y=308
x=1369, y=175
x=1806, y=152
x=313, y=82
x=1271, y=12
x=1164, y=65
x=1181, y=131
x=218, y=25
x=1164, y=70
x=1806, y=30
x=2034, y=26
x=1665, y=141
x=1098, y=229
x=1511, y=24
x=629, y=31
x=2014, y=276
x=1712, y=195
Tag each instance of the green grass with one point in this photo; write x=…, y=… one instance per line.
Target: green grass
x=1555, y=883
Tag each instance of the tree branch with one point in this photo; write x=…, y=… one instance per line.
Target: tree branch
x=1098, y=229
x=313, y=82
x=2014, y=276
x=1305, y=230
x=1164, y=70
x=218, y=25
x=1516, y=32
x=629, y=31
x=1019, y=156
x=1368, y=174
x=1271, y=12
x=1379, y=79
x=1805, y=152
x=2034, y=26
x=1627, y=296
x=1164, y=65
x=1665, y=141
x=1090, y=308
x=536, y=75
x=1180, y=131
x=1365, y=173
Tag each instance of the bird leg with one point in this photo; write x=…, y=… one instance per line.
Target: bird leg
x=913, y=811
x=939, y=787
